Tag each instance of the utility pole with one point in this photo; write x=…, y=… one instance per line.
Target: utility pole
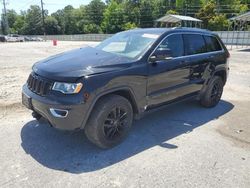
x=5, y=19
x=44, y=33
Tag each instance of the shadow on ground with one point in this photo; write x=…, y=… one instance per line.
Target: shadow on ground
x=71, y=152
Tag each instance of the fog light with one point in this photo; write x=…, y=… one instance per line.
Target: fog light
x=58, y=113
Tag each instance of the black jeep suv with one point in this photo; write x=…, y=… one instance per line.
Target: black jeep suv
x=102, y=89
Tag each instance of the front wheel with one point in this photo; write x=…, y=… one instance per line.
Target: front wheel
x=212, y=95
x=110, y=121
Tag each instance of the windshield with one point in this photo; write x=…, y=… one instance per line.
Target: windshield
x=128, y=44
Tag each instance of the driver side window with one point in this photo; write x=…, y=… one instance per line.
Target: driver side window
x=174, y=44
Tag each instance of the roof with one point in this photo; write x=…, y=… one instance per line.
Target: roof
x=149, y=30
x=163, y=30
x=242, y=17
x=171, y=18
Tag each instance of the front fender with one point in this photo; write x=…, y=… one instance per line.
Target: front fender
x=105, y=93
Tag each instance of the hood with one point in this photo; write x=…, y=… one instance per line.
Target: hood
x=72, y=65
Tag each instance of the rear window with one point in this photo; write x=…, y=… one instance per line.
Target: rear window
x=212, y=44
x=194, y=44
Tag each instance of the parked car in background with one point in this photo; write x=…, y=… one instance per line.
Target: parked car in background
x=14, y=38
x=28, y=38
x=2, y=38
x=39, y=39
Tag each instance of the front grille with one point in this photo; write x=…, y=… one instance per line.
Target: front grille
x=38, y=84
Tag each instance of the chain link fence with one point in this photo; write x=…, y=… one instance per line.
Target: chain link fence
x=80, y=37
x=235, y=37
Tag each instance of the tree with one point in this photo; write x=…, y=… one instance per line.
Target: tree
x=113, y=18
x=70, y=20
x=218, y=23
x=92, y=28
x=171, y=11
x=51, y=26
x=131, y=11
x=118, y=15
x=206, y=13
x=239, y=7
x=11, y=16
x=128, y=26
x=18, y=25
x=94, y=11
x=33, y=21
x=146, y=14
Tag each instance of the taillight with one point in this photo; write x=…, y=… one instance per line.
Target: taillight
x=228, y=55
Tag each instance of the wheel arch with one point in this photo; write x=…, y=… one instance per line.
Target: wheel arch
x=221, y=73
x=125, y=92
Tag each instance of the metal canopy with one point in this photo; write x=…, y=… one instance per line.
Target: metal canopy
x=242, y=17
x=171, y=18
x=239, y=26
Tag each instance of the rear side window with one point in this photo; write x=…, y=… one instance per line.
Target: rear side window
x=194, y=44
x=174, y=43
x=212, y=44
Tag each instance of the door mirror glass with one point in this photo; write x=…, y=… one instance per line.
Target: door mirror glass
x=161, y=54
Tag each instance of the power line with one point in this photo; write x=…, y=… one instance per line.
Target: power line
x=27, y=4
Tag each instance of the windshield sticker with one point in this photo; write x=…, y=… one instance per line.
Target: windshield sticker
x=151, y=36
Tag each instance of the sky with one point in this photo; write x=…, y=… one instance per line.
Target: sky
x=50, y=5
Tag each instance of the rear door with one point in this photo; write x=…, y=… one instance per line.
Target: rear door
x=196, y=52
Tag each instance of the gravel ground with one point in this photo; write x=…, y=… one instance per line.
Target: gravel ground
x=184, y=145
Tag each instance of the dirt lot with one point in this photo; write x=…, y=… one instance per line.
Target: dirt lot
x=183, y=145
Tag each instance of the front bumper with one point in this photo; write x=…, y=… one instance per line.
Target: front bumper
x=60, y=116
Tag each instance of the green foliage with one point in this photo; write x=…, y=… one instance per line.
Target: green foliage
x=117, y=15
x=207, y=12
x=11, y=16
x=59, y=16
x=180, y=3
x=92, y=28
x=239, y=7
x=172, y=12
x=146, y=16
x=94, y=11
x=51, y=25
x=218, y=23
x=70, y=20
x=128, y=26
x=18, y=25
x=33, y=21
x=113, y=18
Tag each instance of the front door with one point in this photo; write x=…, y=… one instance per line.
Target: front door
x=168, y=78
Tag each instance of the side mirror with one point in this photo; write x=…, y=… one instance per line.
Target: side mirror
x=161, y=54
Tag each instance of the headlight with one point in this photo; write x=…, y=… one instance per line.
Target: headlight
x=67, y=88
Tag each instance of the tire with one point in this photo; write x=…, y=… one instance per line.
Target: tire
x=212, y=95
x=110, y=121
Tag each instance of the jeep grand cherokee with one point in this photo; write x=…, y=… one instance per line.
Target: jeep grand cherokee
x=102, y=89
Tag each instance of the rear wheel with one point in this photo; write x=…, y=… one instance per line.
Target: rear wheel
x=213, y=93
x=110, y=121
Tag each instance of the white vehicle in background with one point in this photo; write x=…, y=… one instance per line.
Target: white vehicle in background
x=14, y=38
